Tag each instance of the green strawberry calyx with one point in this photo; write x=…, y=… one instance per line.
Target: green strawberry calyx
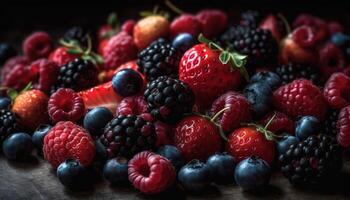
x=269, y=135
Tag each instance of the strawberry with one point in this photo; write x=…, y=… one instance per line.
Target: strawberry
x=60, y=56
x=149, y=29
x=197, y=137
x=185, y=23
x=208, y=75
x=31, y=108
x=101, y=96
x=213, y=22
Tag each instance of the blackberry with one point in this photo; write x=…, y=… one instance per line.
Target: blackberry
x=312, y=162
x=80, y=34
x=330, y=123
x=128, y=135
x=6, y=51
x=291, y=71
x=251, y=18
x=168, y=99
x=78, y=75
x=8, y=123
x=158, y=59
x=258, y=44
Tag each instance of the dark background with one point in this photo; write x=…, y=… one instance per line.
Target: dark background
x=20, y=18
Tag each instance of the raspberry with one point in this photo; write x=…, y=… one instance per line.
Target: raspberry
x=185, y=24
x=61, y=57
x=336, y=91
x=332, y=60
x=163, y=132
x=119, y=50
x=37, y=45
x=128, y=26
x=67, y=140
x=213, y=22
x=11, y=63
x=318, y=25
x=47, y=73
x=238, y=110
x=280, y=124
x=65, y=105
x=343, y=127
x=136, y=105
x=18, y=77
x=300, y=98
x=304, y=36
x=151, y=173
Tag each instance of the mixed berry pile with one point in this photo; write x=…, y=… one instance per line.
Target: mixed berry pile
x=196, y=100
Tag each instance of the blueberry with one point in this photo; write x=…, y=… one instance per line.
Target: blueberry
x=17, y=146
x=5, y=102
x=341, y=40
x=195, y=176
x=283, y=145
x=270, y=78
x=307, y=126
x=101, y=152
x=252, y=173
x=74, y=175
x=116, y=170
x=127, y=82
x=173, y=154
x=259, y=95
x=183, y=42
x=222, y=166
x=96, y=119
x=39, y=134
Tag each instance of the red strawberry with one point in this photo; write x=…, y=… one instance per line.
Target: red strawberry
x=343, y=127
x=237, y=110
x=300, y=98
x=31, y=108
x=332, y=60
x=67, y=140
x=60, y=56
x=317, y=24
x=281, y=123
x=201, y=68
x=275, y=26
x=336, y=91
x=248, y=141
x=213, y=22
x=118, y=50
x=185, y=23
x=197, y=137
x=101, y=96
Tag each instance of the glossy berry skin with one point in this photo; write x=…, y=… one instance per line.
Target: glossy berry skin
x=96, y=119
x=340, y=40
x=247, y=141
x=307, y=126
x=183, y=41
x=173, y=154
x=17, y=146
x=197, y=137
x=222, y=166
x=300, y=98
x=283, y=145
x=115, y=170
x=151, y=173
x=343, y=127
x=37, y=45
x=199, y=68
x=336, y=91
x=39, y=135
x=195, y=176
x=259, y=96
x=252, y=173
x=185, y=23
x=5, y=102
x=213, y=22
x=270, y=78
x=127, y=82
x=72, y=174
x=60, y=56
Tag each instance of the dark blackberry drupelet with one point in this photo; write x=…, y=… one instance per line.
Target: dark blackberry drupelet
x=79, y=34
x=168, y=99
x=78, y=75
x=6, y=51
x=158, y=59
x=8, y=123
x=330, y=123
x=251, y=18
x=312, y=162
x=290, y=71
x=127, y=135
x=258, y=44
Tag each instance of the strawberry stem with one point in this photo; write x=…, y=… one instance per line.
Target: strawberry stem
x=219, y=113
x=173, y=7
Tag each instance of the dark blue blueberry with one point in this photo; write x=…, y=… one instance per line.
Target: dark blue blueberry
x=5, y=102
x=17, y=146
x=127, y=82
x=101, y=152
x=195, y=176
x=173, y=154
x=74, y=175
x=252, y=173
x=270, y=78
x=183, y=42
x=259, y=96
x=222, y=166
x=116, y=170
x=39, y=134
x=307, y=126
x=341, y=40
x=96, y=119
x=283, y=145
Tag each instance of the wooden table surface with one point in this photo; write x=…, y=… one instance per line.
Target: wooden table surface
x=35, y=179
